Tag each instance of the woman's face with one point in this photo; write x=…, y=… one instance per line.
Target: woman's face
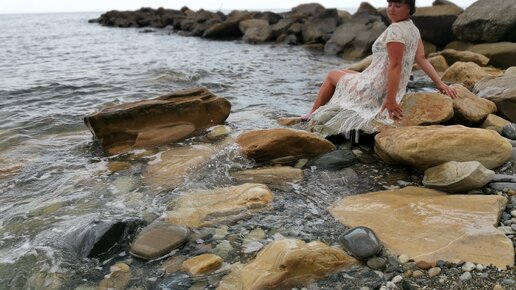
x=398, y=11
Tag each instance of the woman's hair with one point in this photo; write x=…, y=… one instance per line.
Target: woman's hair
x=410, y=3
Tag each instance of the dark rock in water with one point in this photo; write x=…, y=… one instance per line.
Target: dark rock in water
x=158, y=239
x=334, y=160
x=509, y=131
x=360, y=242
x=117, y=235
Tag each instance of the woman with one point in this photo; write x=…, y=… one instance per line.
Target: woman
x=356, y=101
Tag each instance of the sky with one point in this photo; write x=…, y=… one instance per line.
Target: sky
x=44, y=6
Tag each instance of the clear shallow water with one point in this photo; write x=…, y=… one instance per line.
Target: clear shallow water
x=56, y=68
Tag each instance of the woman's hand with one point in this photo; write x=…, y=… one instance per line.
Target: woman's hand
x=393, y=109
x=447, y=90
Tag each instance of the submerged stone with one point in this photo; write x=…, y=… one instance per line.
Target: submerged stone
x=274, y=177
x=335, y=160
x=285, y=264
x=430, y=225
x=158, y=239
x=361, y=243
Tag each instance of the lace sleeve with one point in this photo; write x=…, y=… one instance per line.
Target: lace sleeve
x=394, y=34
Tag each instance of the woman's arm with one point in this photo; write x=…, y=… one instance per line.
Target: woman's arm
x=427, y=67
x=395, y=55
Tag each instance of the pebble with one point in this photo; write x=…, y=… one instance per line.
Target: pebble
x=498, y=287
x=409, y=266
x=468, y=267
x=376, y=263
x=466, y=276
x=508, y=282
x=513, y=213
x=403, y=259
x=397, y=279
x=391, y=285
x=361, y=242
x=423, y=265
x=434, y=271
x=507, y=230
x=407, y=274
x=513, y=227
x=418, y=274
x=480, y=267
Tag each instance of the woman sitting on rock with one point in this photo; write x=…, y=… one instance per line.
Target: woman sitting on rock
x=348, y=100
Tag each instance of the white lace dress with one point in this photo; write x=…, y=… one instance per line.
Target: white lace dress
x=358, y=98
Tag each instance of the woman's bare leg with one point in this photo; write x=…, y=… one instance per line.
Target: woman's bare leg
x=327, y=89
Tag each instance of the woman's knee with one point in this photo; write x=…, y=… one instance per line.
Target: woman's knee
x=334, y=76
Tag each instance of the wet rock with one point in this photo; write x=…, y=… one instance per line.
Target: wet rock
x=115, y=166
x=502, y=92
x=452, y=56
x=495, y=123
x=470, y=108
x=456, y=177
x=274, y=177
x=251, y=247
x=224, y=249
x=255, y=30
x=428, y=146
x=263, y=145
x=229, y=29
x=425, y=109
x=159, y=239
x=435, y=22
x=202, y=264
x=206, y=207
x=320, y=27
x=360, y=242
x=287, y=263
x=455, y=226
x=467, y=73
x=487, y=21
x=509, y=131
x=7, y=169
x=172, y=166
x=376, y=263
x=152, y=122
x=117, y=279
x=218, y=132
x=289, y=121
x=335, y=160
x=45, y=280
x=354, y=39
x=173, y=264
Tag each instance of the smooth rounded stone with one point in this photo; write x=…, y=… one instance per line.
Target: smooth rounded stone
x=423, y=265
x=407, y=274
x=397, y=279
x=264, y=145
x=202, y=264
x=361, y=65
x=418, y=274
x=465, y=276
x=158, y=239
x=480, y=267
x=508, y=282
x=427, y=146
x=274, y=177
x=467, y=73
x=166, y=119
x=376, y=263
x=469, y=108
x=498, y=287
x=409, y=266
x=495, y=123
x=513, y=227
x=425, y=109
x=513, y=213
x=432, y=272
x=224, y=250
x=251, y=247
x=468, y=267
x=199, y=208
x=502, y=92
x=391, y=285
x=44, y=280
x=506, y=230
x=455, y=226
x=217, y=132
x=455, y=176
x=509, y=131
x=361, y=242
x=118, y=278
x=335, y=160
x=452, y=56
x=403, y=259
x=287, y=263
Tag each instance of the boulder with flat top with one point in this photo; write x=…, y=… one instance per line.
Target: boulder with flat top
x=166, y=119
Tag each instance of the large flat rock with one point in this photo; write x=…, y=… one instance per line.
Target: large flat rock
x=427, y=146
x=207, y=207
x=429, y=225
x=471, y=108
x=285, y=264
x=425, y=109
x=153, y=122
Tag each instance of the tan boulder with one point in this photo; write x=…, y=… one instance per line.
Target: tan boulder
x=437, y=61
x=361, y=65
x=429, y=225
x=152, y=122
x=170, y=169
x=495, y=123
x=467, y=73
x=427, y=146
x=285, y=264
x=452, y=56
x=274, y=177
x=470, y=108
x=202, y=264
x=207, y=207
x=502, y=92
x=455, y=176
x=425, y=109
x=500, y=54
x=263, y=145
x=159, y=239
